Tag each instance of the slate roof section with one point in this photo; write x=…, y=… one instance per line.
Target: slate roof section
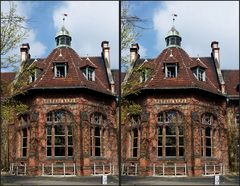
x=185, y=77
x=231, y=78
x=75, y=77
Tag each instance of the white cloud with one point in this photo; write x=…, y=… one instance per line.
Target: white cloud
x=200, y=23
x=90, y=23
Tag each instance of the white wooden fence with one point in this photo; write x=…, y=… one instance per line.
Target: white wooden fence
x=18, y=169
x=211, y=170
x=104, y=169
x=176, y=170
x=58, y=169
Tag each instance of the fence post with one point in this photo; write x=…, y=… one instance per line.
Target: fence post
x=214, y=169
x=110, y=168
x=163, y=169
x=52, y=168
x=17, y=171
x=154, y=169
x=25, y=169
x=113, y=169
x=94, y=169
x=103, y=169
x=122, y=168
x=223, y=169
x=43, y=169
x=175, y=169
x=205, y=169
x=136, y=169
x=64, y=169
x=74, y=169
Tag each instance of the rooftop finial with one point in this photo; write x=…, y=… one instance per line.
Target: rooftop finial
x=174, y=15
x=64, y=15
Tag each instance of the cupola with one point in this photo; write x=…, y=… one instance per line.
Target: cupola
x=63, y=38
x=173, y=38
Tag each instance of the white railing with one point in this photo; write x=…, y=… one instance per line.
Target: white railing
x=58, y=169
x=169, y=170
x=211, y=170
x=130, y=169
x=104, y=169
x=18, y=169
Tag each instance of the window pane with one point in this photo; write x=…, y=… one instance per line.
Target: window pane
x=49, y=140
x=171, y=141
x=97, y=131
x=69, y=130
x=170, y=151
x=208, y=151
x=97, y=141
x=59, y=151
x=159, y=151
x=181, y=141
x=59, y=140
x=208, y=141
x=49, y=151
x=181, y=129
x=159, y=130
x=24, y=152
x=24, y=142
x=70, y=151
x=170, y=130
x=135, y=142
x=208, y=132
x=49, y=130
x=181, y=151
x=97, y=151
x=24, y=132
x=59, y=130
x=159, y=141
x=135, y=152
x=70, y=140
x=160, y=118
x=135, y=133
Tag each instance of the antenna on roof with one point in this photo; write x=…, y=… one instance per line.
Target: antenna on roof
x=174, y=15
x=64, y=15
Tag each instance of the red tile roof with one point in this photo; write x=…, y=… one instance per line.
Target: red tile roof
x=231, y=78
x=185, y=77
x=75, y=77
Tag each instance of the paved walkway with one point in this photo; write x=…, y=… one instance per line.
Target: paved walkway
x=113, y=180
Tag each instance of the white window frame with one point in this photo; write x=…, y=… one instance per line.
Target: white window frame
x=33, y=77
x=56, y=74
x=168, y=72
x=89, y=73
x=199, y=74
x=144, y=76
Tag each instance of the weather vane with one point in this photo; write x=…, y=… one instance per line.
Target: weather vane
x=64, y=15
x=174, y=15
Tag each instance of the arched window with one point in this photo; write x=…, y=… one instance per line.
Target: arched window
x=134, y=136
x=96, y=134
x=207, y=135
x=24, y=133
x=170, y=133
x=59, y=134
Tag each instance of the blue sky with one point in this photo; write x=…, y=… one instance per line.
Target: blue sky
x=89, y=23
x=199, y=23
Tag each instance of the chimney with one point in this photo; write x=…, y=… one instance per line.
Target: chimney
x=24, y=51
x=106, y=51
x=216, y=58
x=215, y=51
x=134, y=53
x=106, y=57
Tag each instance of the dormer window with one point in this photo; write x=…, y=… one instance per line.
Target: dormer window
x=199, y=74
x=144, y=75
x=89, y=73
x=171, y=70
x=33, y=76
x=60, y=70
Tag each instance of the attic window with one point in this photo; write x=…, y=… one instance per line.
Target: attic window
x=199, y=74
x=33, y=76
x=144, y=75
x=60, y=70
x=89, y=73
x=171, y=70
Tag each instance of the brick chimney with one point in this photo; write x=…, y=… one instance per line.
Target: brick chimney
x=215, y=51
x=24, y=51
x=134, y=53
x=216, y=58
x=106, y=51
x=106, y=57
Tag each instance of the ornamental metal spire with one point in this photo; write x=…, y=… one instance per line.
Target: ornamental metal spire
x=174, y=15
x=64, y=15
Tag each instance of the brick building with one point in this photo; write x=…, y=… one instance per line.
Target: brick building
x=70, y=126
x=186, y=104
